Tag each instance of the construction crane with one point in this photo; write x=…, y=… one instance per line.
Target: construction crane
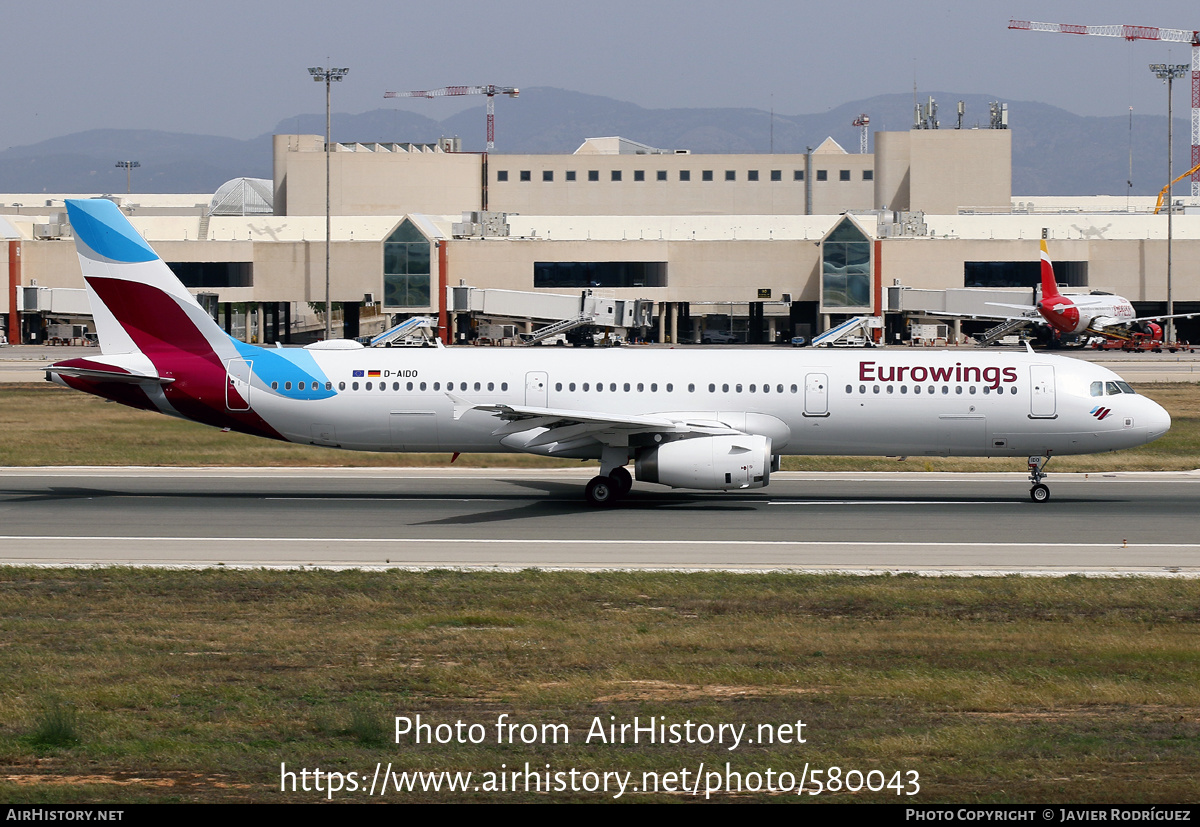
x=448, y=91
x=1141, y=33
x=862, y=121
x=1162, y=195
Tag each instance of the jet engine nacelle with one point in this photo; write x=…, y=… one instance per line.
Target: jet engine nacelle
x=711, y=463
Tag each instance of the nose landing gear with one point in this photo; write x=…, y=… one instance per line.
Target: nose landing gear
x=1040, y=492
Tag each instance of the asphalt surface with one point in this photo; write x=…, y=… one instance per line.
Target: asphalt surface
x=508, y=519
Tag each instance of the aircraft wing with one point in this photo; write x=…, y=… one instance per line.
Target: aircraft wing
x=1157, y=318
x=571, y=428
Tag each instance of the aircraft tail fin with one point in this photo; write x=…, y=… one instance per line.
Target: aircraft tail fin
x=1049, y=285
x=139, y=305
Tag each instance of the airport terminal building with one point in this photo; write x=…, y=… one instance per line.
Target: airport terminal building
x=759, y=248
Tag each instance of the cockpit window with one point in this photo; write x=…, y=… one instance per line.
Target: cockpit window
x=1124, y=386
x=1097, y=389
x=1111, y=388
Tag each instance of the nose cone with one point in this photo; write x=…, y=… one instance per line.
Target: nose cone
x=1157, y=421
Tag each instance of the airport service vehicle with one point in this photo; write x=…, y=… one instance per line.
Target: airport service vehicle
x=1099, y=313
x=686, y=418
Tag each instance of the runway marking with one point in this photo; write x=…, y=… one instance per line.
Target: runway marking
x=897, y=502
x=585, y=542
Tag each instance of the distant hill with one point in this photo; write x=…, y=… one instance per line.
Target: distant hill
x=1054, y=151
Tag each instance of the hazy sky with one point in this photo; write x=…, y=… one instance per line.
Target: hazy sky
x=237, y=68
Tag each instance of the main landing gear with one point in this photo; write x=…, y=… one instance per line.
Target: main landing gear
x=606, y=490
x=1040, y=492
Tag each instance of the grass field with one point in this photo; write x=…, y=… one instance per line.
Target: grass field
x=49, y=425
x=138, y=685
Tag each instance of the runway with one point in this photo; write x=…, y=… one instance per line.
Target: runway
x=512, y=519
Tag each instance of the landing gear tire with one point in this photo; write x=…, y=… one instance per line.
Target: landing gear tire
x=622, y=480
x=1039, y=493
x=601, y=491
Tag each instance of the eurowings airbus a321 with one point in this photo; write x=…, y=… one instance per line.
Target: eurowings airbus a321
x=702, y=419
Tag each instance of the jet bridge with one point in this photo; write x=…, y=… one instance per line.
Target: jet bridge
x=557, y=312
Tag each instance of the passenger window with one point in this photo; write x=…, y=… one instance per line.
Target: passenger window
x=491, y=386
x=987, y=389
x=654, y=387
x=738, y=388
x=354, y=386
x=889, y=389
x=558, y=386
x=328, y=386
x=300, y=386
x=779, y=388
x=876, y=389
x=724, y=389
x=585, y=386
x=958, y=389
x=916, y=388
x=752, y=388
x=612, y=386
x=571, y=386
x=641, y=387
x=904, y=389
x=627, y=387
x=341, y=386
x=287, y=386
x=437, y=386
x=793, y=388
x=1013, y=390
x=368, y=385
x=503, y=386
x=972, y=389
x=478, y=386
x=861, y=388
x=599, y=387
x=410, y=386
x=422, y=386
x=274, y=386
x=395, y=386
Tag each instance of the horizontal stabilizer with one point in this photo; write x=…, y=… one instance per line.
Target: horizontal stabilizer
x=108, y=371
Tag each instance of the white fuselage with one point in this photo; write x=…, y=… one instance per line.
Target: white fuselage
x=905, y=402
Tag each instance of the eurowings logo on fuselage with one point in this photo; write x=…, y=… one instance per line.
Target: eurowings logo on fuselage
x=993, y=376
x=1100, y=411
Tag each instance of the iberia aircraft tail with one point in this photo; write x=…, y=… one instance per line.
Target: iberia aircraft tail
x=159, y=349
x=1049, y=285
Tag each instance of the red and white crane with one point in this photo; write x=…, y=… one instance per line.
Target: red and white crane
x=446, y=91
x=862, y=121
x=1141, y=33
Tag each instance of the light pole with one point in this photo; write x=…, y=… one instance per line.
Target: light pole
x=328, y=75
x=128, y=166
x=1168, y=72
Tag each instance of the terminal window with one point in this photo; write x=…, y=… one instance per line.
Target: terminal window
x=798, y=175
x=547, y=175
x=868, y=175
x=526, y=175
x=639, y=175
x=214, y=273
x=406, y=267
x=846, y=268
x=822, y=175
x=706, y=175
x=570, y=175
x=574, y=274
x=844, y=175
x=1022, y=273
x=752, y=175
x=776, y=175
x=501, y=175
x=730, y=175
x=616, y=175
x=661, y=175
x=593, y=175
x=685, y=175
